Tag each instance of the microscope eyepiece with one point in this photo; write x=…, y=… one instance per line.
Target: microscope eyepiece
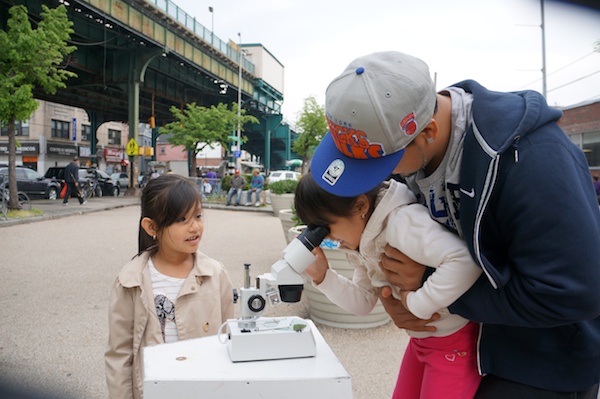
x=312, y=236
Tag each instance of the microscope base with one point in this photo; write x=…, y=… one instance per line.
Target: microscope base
x=271, y=338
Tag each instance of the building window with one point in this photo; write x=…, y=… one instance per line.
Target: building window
x=591, y=148
x=21, y=128
x=114, y=136
x=86, y=133
x=162, y=150
x=60, y=129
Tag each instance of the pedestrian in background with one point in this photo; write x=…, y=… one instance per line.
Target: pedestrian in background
x=72, y=182
x=237, y=183
x=170, y=291
x=256, y=185
x=496, y=169
x=215, y=185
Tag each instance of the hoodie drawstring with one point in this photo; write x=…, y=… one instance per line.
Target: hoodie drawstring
x=516, y=148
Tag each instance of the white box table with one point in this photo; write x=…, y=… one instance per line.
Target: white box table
x=201, y=368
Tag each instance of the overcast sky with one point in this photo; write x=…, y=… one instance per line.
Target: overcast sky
x=496, y=42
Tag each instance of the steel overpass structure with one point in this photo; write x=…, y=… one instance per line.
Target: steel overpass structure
x=135, y=59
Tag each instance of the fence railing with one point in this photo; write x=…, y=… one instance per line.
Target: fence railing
x=179, y=15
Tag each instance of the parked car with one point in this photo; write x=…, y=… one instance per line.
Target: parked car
x=277, y=175
x=102, y=183
x=33, y=184
x=56, y=173
x=122, y=179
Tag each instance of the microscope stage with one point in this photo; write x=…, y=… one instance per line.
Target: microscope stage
x=270, y=338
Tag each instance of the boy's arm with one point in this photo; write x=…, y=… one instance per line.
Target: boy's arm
x=541, y=243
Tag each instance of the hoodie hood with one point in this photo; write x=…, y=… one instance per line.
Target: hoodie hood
x=497, y=113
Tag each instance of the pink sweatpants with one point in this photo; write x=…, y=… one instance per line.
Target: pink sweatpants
x=440, y=367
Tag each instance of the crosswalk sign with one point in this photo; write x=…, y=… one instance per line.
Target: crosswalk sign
x=132, y=148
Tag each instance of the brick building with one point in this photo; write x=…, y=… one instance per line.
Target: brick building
x=581, y=122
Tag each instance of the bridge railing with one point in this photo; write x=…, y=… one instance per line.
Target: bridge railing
x=179, y=15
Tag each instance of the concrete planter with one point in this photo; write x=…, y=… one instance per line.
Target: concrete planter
x=323, y=311
x=287, y=222
x=281, y=201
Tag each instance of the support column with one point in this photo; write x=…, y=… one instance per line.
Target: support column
x=96, y=119
x=268, y=150
x=138, y=62
x=133, y=117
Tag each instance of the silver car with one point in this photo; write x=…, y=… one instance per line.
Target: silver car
x=121, y=179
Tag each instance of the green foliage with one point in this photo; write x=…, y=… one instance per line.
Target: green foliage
x=225, y=184
x=30, y=58
x=296, y=218
x=197, y=127
x=283, y=186
x=311, y=126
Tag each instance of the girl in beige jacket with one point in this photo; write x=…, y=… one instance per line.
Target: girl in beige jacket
x=170, y=291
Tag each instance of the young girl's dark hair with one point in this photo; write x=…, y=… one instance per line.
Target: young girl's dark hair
x=315, y=206
x=165, y=200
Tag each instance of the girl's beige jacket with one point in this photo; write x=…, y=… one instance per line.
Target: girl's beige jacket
x=204, y=303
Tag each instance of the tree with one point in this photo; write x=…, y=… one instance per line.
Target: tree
x=311, y=126
x=30, y=58
x=197, y=127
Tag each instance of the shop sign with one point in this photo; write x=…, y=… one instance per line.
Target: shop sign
x=113, y=154
x=33, y=148
x=62, y=149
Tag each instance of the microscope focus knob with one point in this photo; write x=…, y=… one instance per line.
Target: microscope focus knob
x=236, y=296
x=256, y=303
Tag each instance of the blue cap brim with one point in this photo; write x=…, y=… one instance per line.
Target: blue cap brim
x=343, y=176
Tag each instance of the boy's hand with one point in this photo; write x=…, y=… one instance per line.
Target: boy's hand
x=400, y=270
x=401, y=317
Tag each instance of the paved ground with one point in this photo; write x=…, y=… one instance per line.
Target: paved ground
x=56, y=275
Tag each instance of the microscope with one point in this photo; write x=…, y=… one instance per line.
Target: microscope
x=253, y=337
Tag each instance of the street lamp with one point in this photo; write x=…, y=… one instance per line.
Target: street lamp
x=212, y=29
x=238, y=160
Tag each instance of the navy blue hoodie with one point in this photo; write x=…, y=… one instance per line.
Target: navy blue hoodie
x=533, y=225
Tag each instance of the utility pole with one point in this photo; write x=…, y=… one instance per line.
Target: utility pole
x=238, y=160
x=542, y=25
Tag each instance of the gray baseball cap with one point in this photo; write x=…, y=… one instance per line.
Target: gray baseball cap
x=374, y=109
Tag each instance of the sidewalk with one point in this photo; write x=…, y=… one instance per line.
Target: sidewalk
x=70, y=287
x=55, y=209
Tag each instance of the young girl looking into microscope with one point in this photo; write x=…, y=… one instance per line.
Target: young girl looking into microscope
x=441, y=364
x=170, y=291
